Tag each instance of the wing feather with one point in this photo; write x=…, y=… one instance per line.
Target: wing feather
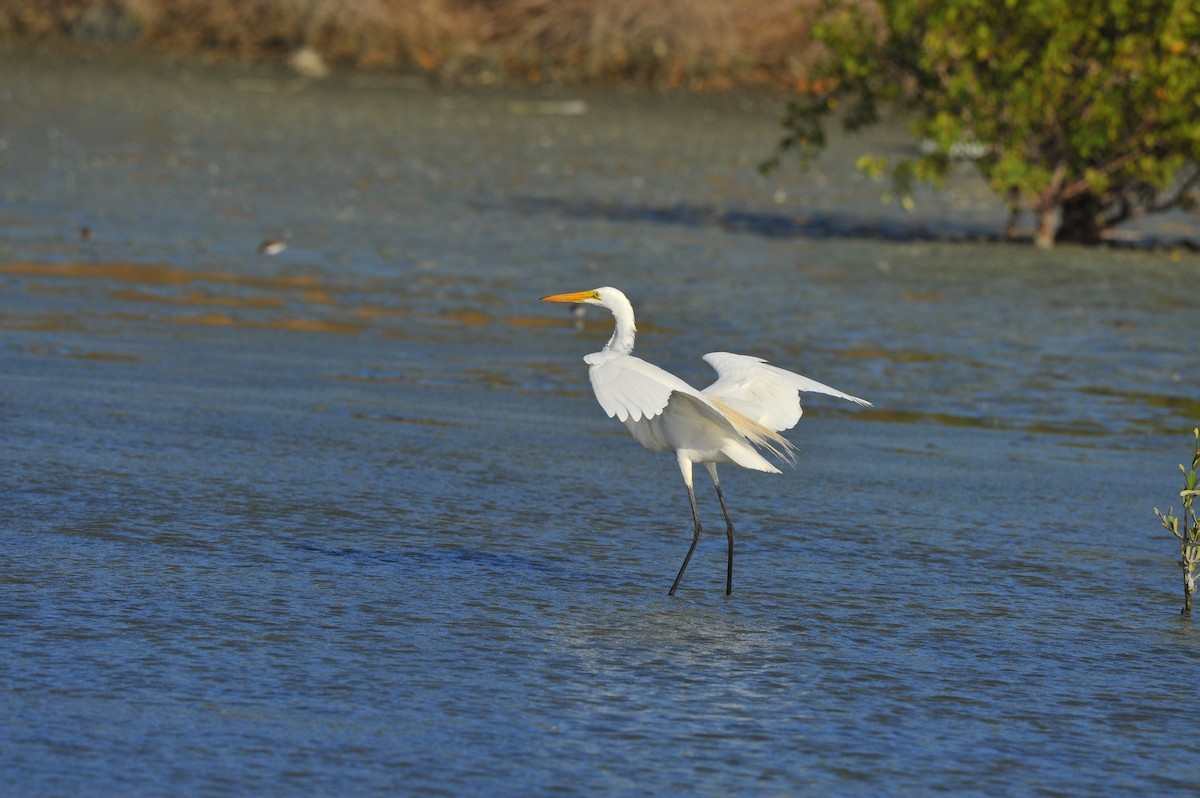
x=762, y=392
x=628, y=387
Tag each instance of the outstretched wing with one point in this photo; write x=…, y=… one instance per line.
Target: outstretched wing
x=762, y=392
x=630, y=388
x=635, y=391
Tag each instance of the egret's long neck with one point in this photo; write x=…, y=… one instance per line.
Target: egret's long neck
x=624, y=332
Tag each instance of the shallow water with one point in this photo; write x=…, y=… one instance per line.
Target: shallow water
x=347, y=519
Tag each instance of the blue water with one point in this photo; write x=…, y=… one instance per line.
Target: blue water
x=348, y=520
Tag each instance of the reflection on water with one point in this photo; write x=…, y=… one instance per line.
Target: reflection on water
x=347, y=519
x=818, y=224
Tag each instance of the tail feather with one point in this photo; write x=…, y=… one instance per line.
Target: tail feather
x=757, y=434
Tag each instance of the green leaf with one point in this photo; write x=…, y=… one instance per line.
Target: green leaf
x=874, y=166
x=1104, y=96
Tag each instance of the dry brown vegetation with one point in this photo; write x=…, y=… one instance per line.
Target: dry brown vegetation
x=695, y=43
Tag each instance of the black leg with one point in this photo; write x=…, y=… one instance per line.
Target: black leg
x=728, y=536
x=695, y=540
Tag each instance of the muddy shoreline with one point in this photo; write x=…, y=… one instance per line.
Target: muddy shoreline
x=700, y=44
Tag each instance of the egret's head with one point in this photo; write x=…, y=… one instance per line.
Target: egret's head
x=616, y=302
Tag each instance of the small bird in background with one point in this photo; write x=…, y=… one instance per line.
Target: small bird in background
x=728, y=422
x=272, y=246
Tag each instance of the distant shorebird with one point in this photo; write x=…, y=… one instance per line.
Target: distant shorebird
x=272, y=246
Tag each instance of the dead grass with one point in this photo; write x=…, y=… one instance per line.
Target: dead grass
x=693, y=43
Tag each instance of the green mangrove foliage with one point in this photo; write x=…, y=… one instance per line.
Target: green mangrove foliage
x=1085, y=113
x=1187, y=527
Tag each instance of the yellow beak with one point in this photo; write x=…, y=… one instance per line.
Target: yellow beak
x=578, y=296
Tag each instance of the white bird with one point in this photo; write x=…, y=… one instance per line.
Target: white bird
x=743, y=411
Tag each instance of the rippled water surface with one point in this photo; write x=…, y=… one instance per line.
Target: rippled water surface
x=347, y=520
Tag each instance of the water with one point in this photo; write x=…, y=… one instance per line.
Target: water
x=347, y=520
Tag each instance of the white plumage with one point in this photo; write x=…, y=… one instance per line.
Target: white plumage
x=765, y=393
x=747, y=407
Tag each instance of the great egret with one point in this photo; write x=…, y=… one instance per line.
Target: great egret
x=747, y=407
